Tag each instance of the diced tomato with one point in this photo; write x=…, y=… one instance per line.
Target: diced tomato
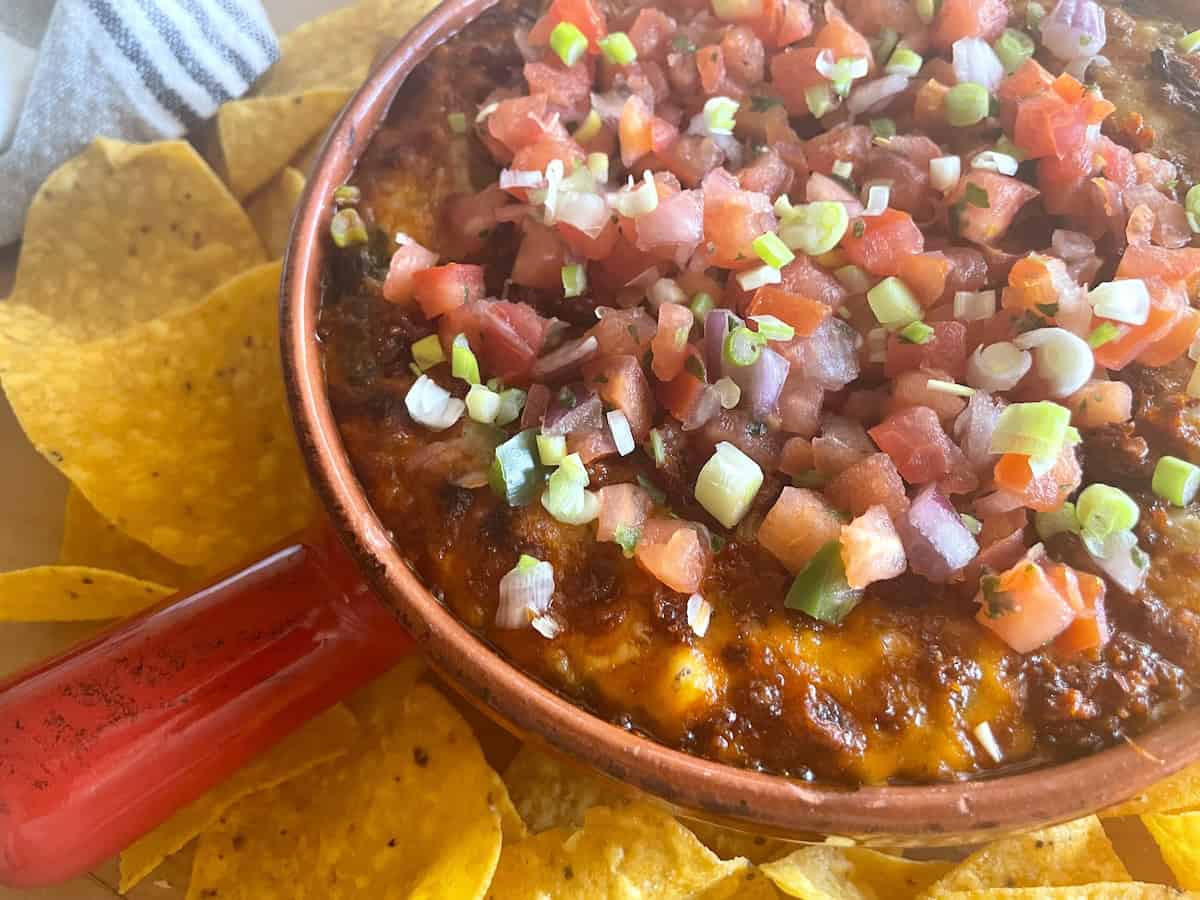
x=796, y=456
x=922, y=452
x=621, y=383
x=929, y=105
x=733, y=218
x=651, y=31
x=670, y=343
x=1045, y=493
x=1036, y=283
x=622, y=506
x=1090, y=629
x=792, y=72
x=1023, y=607
x=946, y=351
x=521, y=121
x=744, y=55
x=583, y=14
x=1030, y=80
x=662, y=134
x=624, y=332
x=682, y=396
x=871, y=549
x=800, y=312
x=851, y=143
x=635, y=130
x=766, y=174
x=691, y=158
x=926, y=274
x=1119, y=166
x=986, y=224
x=580, y=244
x=540, y=258
x=883, y=241
x=1048, y=126
x=844, y=40
x=536, y=156
x=874, y=480
x=406, y=261
x=673, y=552
x=1176, y=342
x=567, y=88
x=800, y=406
x=804, y=277
x=799, y=524
x=791, y=22
x=469, y=219
x=911, y=388
x=512, y=337
x=1158, y=262
x=959, y=19
x=1167, y=303
x=591, y=444
x=710, y=62
x=1100, y=403
x=442, y=288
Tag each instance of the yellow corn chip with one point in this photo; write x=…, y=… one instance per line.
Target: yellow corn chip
x=1098, y=891
x=89, y=539
x=549, y=791
x=730, y=842
x=1076, y=853
x=1176, y=793
x=851, y=873
x=259, y=135
x=177, y=430
x=73, y=594
x=637, y=850
x=305, y=161
x=406, y=813
x=327, y=736
x=748, y=884
x=1178, y=839
x=271, y=209
x=123, y=233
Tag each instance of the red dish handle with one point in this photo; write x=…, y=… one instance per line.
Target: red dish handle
x=103, y=743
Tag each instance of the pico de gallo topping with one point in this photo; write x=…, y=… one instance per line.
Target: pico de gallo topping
x=852, y=283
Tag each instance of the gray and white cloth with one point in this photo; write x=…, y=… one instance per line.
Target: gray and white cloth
x=138, y=70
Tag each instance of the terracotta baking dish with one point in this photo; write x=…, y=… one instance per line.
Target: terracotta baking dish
x=101, y=744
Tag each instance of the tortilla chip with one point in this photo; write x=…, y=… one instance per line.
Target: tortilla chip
x=549, y=791
x=89, y=539
x=73, y=594
x=259, y=135
x=123, y=233
x=271, y=209
x=637, y=850
x=730, y=842
x=177, y=430
x=1178, y=839
x=1099, y=891
x=1176, y=793
x=748, y=884
x=327, y=736
x=851, y=873
x=408, y=812
x=1076, y=853
x=306, y=160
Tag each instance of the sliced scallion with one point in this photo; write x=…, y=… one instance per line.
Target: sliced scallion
x=967, y=104
x=427, y=352
x=512, y=401
x=904, y=61
x=347, y=228
x=1192, y=207
x=1102, y=334
x=820, y=100
x=1059, y=521
x=727, y=484
x=517, y=473
x=814, y=228
x=1176, y=480
x=883, y=128
x=1127, y=300
x=953, y=388
x=1013, y=48
x=917, y=333
x=552, y=448
x=773, y=328
x=463, y=363
x=346, y=195
x=618, y=49
x=719, y=115
x=743, y=346
x=483, y=404
x=574, y=280
x=753, y=279
x=589, y=127
x=1037, y=430
x=658, y=448
x=772, y=250
x=1190, y=43
x=568, y=42
x=893, y=304
x=702, y=304
x=457, y=122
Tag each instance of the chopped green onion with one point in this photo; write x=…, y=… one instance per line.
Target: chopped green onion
x=1103, y=510
x=753, y=279
x=1102, y=334
x=634, y=202
x=843, y=168
x=728, y=391
x=949, y=387
x=1190, y=43
x=773, y=329
x=743, y=346
x=552, y=448
x=346, y=195
x=512, y=401
x=516, y=473
x=1127, y=300
x=1008, y=148
x=904, y=62
x=658, y=448
x=719, y=113
x=886, y=42
x=627, y=537
x=972, y=524
x=597, y=164
x=427, y=352
x=702, y=304
x=568, y=42
x=967, y=104
x=565, y=498
x=1034, y=13
x=1063, y=520
x=457, y=122
x=483, y=405
x=727, y=484
x=976, y=196
x=571, y=468
x=681, y=43
x=854, y=279
x=1176, y=480
x=618, y=49
x=574, y=280
x=772, y=250
x=815, y=228
x=463, y=363
x=527, y=563
x=820, y=100
x=1013, y=48
x=589, y=127
x=821, y=589
x=783, y=206
x=917, y=333
x=843, y=73
x=893, y=304
x=347, y=228
x=883, y=128
x=1037, y=430
x=1192, y=205
x=926, y=10
x=995, y=161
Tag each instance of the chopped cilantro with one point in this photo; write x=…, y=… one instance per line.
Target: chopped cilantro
x=1049, y=310
x=997, y=603
x=761, y=103
x=977, y=196
x=683, y=44
x=627, y=537
x=695, y=366
x=859, y=228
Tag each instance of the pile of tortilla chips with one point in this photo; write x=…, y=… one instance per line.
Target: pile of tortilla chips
x=139, y=351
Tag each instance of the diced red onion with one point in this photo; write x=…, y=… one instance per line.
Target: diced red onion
x=524, y=596
x=829, y=356
x=1123, y=562
x=529, y=53
x=706, y=407
x=1071, y=246
x=677, y=221
x=841, y=443
x=644, y=280
x=936, y=541
x=976, y=61
x=566, y=359
x=518, y=178
x=762, y=382
x=1061, y=359
x=997, y=367
x=583, y=210
x=716, y=329
x=537, y=401
x=1074, y=29
x=582, y=411
x=867, y=97
x=974, y=426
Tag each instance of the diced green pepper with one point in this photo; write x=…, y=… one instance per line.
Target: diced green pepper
x=821, y=589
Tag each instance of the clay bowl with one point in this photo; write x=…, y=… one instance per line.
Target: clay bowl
x=896, y=815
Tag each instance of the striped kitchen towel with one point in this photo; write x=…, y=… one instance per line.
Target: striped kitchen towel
x=139, y=70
